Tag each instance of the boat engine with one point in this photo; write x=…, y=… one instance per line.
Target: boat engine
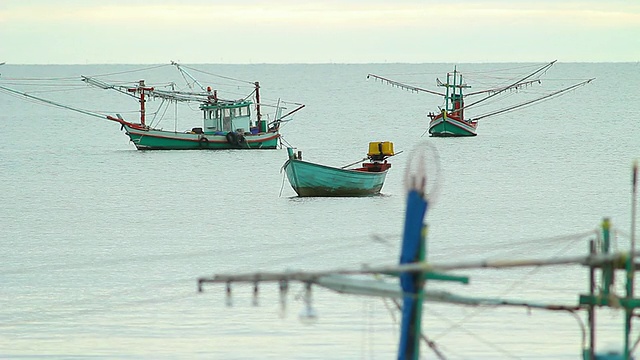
x=380, y=150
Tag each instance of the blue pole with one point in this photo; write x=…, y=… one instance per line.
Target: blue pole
x=413, y=250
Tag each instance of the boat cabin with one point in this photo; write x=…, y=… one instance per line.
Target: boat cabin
x=225, y=116
x=457, y=106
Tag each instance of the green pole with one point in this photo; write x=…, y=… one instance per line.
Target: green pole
x=590, y=353
x=630, y=267
x=607, y=270
x=420, y=296
x=422, y=254
x=628, y=309
x=459, y=97
x=446, y=101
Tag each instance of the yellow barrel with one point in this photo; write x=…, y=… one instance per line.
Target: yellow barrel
x=380, y=148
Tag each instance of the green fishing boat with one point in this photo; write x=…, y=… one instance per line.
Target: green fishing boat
x=312, y=179
x=227, y=124
x=220, y=124
x=450, y=120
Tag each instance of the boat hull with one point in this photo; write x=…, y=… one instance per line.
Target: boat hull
x=449, y=126
x=309, y=179
x=154, y=139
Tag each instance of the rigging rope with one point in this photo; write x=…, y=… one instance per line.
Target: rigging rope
x=132, y=71
x=220, y=76
x=531, y=101
x=476, y=336
x=52, y=102
x=542, y=69
x=503, y=293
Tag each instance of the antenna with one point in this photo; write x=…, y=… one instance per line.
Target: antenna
x=634, y=193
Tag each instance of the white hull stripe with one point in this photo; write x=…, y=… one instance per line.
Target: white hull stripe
x=192, y=138
x=458, y=124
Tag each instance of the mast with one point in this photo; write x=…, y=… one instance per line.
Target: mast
x=447, y=97
x=262, y=126
x=140, y=89
x=589, y=353
x=457, y=97
x=453, y=98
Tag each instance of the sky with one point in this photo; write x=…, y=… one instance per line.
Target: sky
x=317, y=31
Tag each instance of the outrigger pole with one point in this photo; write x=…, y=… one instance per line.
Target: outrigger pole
x=53, y=103
x=544, y=68
x=404, y=86
x=85, y=112
x=534, y=100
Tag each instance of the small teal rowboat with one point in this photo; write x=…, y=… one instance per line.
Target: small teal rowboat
x=311, y=179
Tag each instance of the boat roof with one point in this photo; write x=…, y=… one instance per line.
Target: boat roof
x=227, y=104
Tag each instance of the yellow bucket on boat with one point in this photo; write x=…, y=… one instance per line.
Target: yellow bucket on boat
x=380, y=148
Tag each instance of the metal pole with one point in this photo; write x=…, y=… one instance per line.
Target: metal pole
x=607, y=270
x=261, y=127
x=591, y=309
x=630, y=264
x=413, y=250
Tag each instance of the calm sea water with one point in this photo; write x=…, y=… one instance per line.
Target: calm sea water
x=102, y=244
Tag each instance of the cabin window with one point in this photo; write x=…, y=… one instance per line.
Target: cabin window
x=227, y=113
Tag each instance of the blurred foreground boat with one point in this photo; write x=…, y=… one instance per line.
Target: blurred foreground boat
x=407, y=279
x=311, y=179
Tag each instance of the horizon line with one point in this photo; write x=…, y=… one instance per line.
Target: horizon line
x=326, y=63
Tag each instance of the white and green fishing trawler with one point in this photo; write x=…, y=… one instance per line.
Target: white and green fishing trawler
x=222, y=123
x=406, y=280
x=227, y=124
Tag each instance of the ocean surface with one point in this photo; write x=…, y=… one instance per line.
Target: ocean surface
x=102, y=244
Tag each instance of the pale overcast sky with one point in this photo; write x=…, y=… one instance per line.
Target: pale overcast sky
x=317, y=31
